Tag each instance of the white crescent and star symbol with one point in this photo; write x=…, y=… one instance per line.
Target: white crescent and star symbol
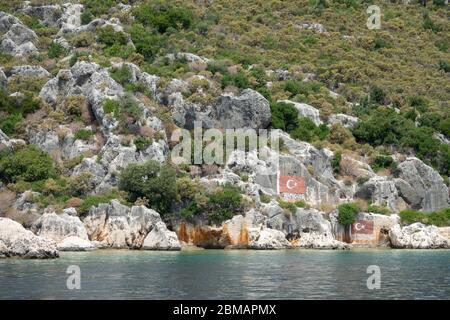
x=289, y=185
x=359, y=226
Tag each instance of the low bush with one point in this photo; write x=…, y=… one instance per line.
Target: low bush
x=347, y=213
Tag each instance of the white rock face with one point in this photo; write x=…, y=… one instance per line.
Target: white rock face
x=29, y=71
x=421, y=186
x=18, y=40
x=343, y=119
x=315, y=240
x=119, y=226
x=160, y=238
x=59, y=226
x=382, y=192
x=267, y=239
x=74, y=243
x=306, y=111
x=417, y=236
x=16, y=241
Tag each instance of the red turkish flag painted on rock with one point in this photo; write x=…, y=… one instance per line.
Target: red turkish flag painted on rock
x=292, y=184
x=362, y=227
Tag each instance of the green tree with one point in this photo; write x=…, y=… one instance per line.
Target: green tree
x=28, y=163
x=151, y=180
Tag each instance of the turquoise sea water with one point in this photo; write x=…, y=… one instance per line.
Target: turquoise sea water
x=227, y=274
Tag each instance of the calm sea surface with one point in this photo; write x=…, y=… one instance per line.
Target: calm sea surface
x=224, y=274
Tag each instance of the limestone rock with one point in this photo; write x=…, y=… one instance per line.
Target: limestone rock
x=382, y=192
x=48, y=15
x=422, y=187
x=267, y=239
x=160, y=238
x=17, y=241
x=306, y=111
x=119, y=226
x=18, y=40
x=29, y=71
x=417, y=236
x=74, y=243
x=59, y=226
x=248, y=110
x=342, y=119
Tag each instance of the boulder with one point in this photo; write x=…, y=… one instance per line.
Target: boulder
x=248, y=110
x=71, y=17
x=267, y=239
x=118, y=226
x=56, y=89
x=74, y=243
x=18, y=40
x=382, y=192
x=59, y=226
x=160, y=238
x=3, y=79
x=342, y=119
x=306, y=111
x=29, y=71
x=48, y=15
x=16, y=241
x=417, y=236
x=421, y=186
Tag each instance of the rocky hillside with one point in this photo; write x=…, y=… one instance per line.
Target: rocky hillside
x=91, y=93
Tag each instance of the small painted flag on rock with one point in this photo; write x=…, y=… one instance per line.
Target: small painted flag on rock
x=362, y=227
x=291, y=184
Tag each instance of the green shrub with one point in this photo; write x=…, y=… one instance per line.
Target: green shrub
x=383, y=162
x=224, y=203
x=378, y=209
x=444, y=66
x=28, y=163
x=98, y=7
x=147, y=43
x=90, y=201
x=122, y=75
x=336, y=161
x=8, y=123
x=284, y=116
x=151, y=180
x=347, y=213
x=56, y=50
x=142, y=142
x=76, y=56
x=109, y=37
x=291, y=206
x=83, y=134
x=238, y=80
x=111, y=106
x=440, y=218
x=86, y=17
x=265, y=198
x=163, y=16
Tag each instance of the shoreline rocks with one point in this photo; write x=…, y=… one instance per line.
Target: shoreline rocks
x=417, y=236
x=16, y=241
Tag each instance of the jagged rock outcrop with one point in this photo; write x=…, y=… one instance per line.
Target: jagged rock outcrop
x=306, y=228
x=160, y=238
x=382, y=192
x=417, y=236
x=74, y=243
x=16, y=241
x=306, y=111
x=248, y=110
x=421, y=186
x=48, y=15
x=56, y=89
x=59, y=226
x=71, y=17
x=118, y=226
x=61, y=142
x=29, y=71
x=342, y=119
x=369, y=229
x=267, y=239
x=18, y=40
x=3, y=79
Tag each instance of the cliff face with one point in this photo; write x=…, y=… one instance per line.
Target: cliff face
x=98, y=89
